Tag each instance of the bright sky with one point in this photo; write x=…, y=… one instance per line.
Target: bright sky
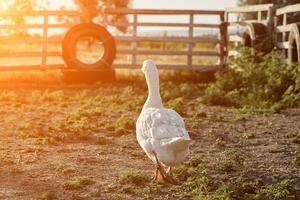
x=156, y=4
x=166, y=4
x=159, y=4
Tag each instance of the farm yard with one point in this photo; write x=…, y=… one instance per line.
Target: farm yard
x=234, y=81
x=78, y=142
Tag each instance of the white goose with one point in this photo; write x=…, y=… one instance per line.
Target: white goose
x=161, y=132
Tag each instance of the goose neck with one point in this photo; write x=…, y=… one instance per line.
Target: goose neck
x=154, y=98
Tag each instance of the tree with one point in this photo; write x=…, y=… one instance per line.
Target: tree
x=91, y=9
x=16, y=6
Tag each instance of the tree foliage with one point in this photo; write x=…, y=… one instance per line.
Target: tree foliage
x=91, y=9
x=16, y=6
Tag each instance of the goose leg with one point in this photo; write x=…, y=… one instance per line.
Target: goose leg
x=160, y=175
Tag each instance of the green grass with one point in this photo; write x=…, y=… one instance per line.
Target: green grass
x=77, y=183
x=133, y=177
x=294, y=137
x=233, y=161
x=124, y=124
x=296, y=159
x=277, y=191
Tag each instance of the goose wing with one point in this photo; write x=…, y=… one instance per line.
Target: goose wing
x=159, y=125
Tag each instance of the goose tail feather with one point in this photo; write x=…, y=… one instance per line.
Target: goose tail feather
x=177, y=144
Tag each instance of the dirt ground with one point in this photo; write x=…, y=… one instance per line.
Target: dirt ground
x=77, y=142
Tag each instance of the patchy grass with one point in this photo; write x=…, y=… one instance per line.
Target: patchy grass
x=77, y=183
x=277, y=191
x=233, y=161
x=49, y=195
x=124, y=125
x=296, y=159
x=133, y=177
x=295, y=137
x=53, y=134
x=177, y=105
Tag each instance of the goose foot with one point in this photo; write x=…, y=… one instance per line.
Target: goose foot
x=161, y=175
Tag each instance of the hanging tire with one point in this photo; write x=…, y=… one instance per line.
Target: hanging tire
x=255, y=37
x=294, y=44
x=69, y=47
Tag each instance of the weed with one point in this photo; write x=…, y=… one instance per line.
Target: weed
x=247, y=135
x=277, y=191
x=296, y=159
x=196, y=161
x=295, y=137
x=74, y=122
x=49, y=195
x=77, y=183
x=177, y=105
x=103, y=140
x=220, y=142
x=233, y=161
x=222, y=193
x=53, y=96
x=124, y=124
x=8, y=96
x=133, y=177
x=261, y=83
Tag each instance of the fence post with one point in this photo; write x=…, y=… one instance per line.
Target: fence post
x=134, y=43
x=190, y=47
x=44, y=43
x=259, y=16
x=223, y=42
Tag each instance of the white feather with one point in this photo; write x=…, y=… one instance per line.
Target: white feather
x=159, y=130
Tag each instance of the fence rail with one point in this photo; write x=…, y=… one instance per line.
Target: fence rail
x=133, y=39
x=263, y=14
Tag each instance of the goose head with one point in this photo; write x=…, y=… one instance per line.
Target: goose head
x=149, y=67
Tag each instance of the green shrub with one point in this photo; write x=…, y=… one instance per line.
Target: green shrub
x=259, y=81
x=222, y=193
x=277, y=191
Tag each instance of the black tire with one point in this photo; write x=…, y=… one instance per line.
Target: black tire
x=88, y=29
x=256, y=37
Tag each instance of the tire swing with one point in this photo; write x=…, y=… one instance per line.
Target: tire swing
x=255, y=36
x=294, y=44
x=81, y=65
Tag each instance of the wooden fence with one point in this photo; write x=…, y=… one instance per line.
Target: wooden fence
x=44, y=40
x=134, y=38
x=269, y=21
x=263, y=14
x=287, y=34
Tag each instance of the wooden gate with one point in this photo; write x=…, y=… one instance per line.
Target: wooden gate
x=47, y=23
